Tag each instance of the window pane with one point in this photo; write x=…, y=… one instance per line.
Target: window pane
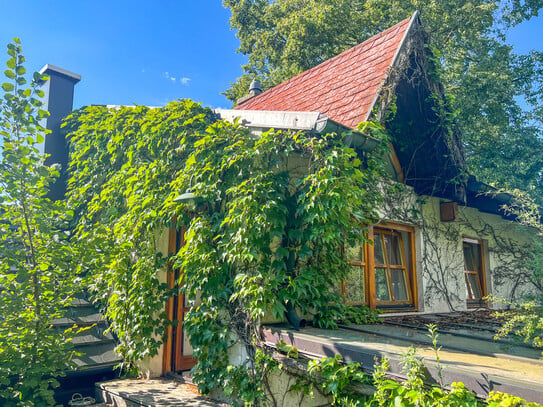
x=354, y=285
x=475, y=286
x=469, y=261
x=399, y=285
x=381, y=285
x=354, y=253
x=392, y=243
x=378, y=249
x=187, y=348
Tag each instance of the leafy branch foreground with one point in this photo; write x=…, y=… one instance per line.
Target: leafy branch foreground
x=36, y=274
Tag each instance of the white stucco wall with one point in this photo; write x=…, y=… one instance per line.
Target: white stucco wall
x=440, y=258
x=439, y=251
x=152, y=366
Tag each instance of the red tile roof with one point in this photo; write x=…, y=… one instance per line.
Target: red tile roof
x=344, y=87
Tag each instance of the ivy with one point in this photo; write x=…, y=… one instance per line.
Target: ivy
x=347, y=384
x=266, y=233
x=123, y=162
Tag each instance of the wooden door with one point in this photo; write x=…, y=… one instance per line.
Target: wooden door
x=177, y=349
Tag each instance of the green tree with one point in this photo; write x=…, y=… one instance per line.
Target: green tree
x=495, y=92
x=35, y=277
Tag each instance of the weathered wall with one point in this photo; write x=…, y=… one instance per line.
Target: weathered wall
x=152, y=366
x=440, y=258
x=279, y=384
x=439, y=253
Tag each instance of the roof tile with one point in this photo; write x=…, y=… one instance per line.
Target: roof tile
x=343, y=87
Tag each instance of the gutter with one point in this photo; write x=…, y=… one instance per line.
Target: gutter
x=314, y=122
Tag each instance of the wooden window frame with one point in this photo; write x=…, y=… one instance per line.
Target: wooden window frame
x=369, y=266
x=475, y=244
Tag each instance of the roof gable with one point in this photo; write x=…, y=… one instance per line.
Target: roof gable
x=345, y=87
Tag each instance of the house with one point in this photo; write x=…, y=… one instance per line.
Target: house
x=444, y=242
x=449, y=242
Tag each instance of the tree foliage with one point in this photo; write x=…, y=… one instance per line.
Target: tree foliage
x=495, y=92
x=273, y=215
x=35, y=274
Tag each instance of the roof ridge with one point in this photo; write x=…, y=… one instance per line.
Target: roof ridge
x=412, y=19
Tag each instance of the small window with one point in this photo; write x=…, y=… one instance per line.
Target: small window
x=474, y=272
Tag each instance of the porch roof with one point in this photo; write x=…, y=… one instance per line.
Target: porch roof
x=468, y=353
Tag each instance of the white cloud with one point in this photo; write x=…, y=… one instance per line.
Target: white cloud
x=183, y=80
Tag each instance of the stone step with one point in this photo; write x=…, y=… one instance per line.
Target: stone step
x=151, y=393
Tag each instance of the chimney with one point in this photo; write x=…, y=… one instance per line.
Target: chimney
x=255, y=88
x=59, y=96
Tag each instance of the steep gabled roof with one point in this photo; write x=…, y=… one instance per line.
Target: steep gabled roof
x=345, y=87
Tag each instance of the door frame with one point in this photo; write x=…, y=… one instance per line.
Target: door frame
x=173, y=358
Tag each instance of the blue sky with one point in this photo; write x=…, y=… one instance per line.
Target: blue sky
x=146, y=52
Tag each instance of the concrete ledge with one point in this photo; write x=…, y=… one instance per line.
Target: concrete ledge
x=151, y=393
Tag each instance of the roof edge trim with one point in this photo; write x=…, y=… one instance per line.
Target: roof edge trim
x=64, y=72
x=304, y=121
x=414, y=17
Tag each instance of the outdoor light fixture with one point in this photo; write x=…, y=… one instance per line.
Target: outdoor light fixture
x=195, y=203
x=188, y=196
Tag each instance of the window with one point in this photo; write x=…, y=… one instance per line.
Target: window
x=474, y=272
x=354, y=287
x=391, y=269
x=383, y=273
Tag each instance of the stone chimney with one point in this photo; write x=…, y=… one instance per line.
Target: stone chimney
x=59, y=96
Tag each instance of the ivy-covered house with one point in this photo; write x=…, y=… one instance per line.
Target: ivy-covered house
x=443, y=242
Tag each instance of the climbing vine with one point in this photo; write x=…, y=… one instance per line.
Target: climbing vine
x=264, y=233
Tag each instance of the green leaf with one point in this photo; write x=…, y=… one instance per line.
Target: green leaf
x=9, y=73
x=8, y=87
x=11, y=63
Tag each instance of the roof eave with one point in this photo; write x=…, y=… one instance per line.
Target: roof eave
x=314, y=122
